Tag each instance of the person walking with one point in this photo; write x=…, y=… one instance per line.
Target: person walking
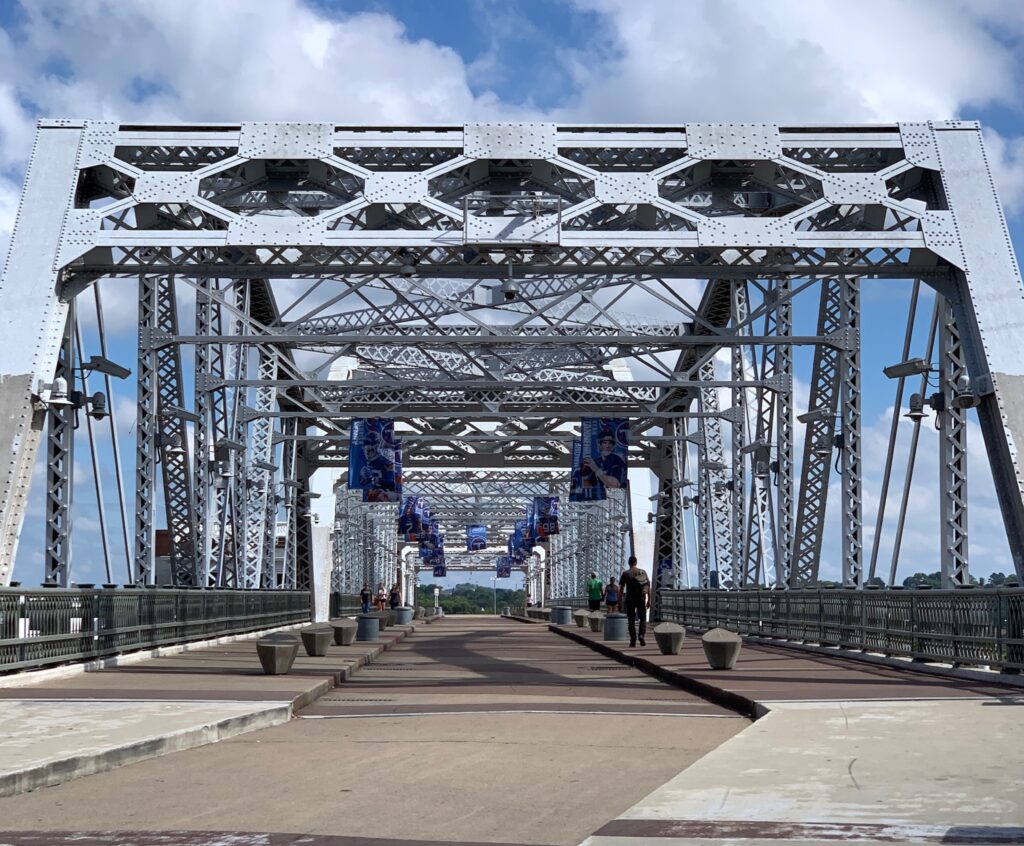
x=611, y=596
x=636, y=595
x=381, y=600
x=395, y=596
x=366, y=597
x=595, y=590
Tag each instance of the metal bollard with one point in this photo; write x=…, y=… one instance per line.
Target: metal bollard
x=368, y=627
x=561, y=615
x=616, y=627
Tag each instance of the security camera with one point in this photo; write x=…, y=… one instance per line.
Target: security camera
x=509, y=290
x=98, y=406
x=407, y=269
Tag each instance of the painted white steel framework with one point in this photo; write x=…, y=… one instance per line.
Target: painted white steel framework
x=490, y=284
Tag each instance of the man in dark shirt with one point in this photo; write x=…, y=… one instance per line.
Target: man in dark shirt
x=636, y=596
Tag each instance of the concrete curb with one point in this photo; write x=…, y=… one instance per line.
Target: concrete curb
x=64, y=769
x=519, y=619
x=742, y=705
x=58, y=771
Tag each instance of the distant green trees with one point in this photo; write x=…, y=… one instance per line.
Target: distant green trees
x=469, y=599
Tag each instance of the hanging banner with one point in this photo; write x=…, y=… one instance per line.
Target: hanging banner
x=476, y=538
x=545, y=509
x=410, y=518
x=575, y=483
x=384, y=494
x=438, y=564
x=432, y=541
x=503, y=567
x=604, y=451
x=371, y=459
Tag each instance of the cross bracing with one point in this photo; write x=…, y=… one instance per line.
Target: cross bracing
x=485, y=286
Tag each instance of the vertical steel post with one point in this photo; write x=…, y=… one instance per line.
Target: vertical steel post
x=952, y=454
x=853, y=547
x=60, y=465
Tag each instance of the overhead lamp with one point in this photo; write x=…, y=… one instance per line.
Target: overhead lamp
x=170, y=444
x=910, y=367
x=107, y=367
x=98, y=406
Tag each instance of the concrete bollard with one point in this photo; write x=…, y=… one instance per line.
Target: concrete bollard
x=403, y=616
x=277, y=652
x=506, y=611
x=580, y=616
x=561, y=615
x=368, y=627
x=316, y=640
x=344, y=632
x=392, y=616
x=382, y=618
x=616, y=627
x=418, y=612
x=669, y=637
x=595, y=619
x=721, y=648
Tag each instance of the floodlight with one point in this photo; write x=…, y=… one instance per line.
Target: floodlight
x=916, y=412
x=107, y=367
x=815, y=415
x=910, y=367
x=98, y=406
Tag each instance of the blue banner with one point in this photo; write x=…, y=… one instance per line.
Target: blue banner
x=545, y=509
x=503, y=567
x=372, y=460
x=410, y=518
x=432, y=541
x=602, y=462
x=476, y=538
x=384, y=494
x=575, y=485
x=438, y=565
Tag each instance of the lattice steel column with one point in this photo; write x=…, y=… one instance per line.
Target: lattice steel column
x=952, y=454
x=785, y=528
x=716, y=508
x=60, y=464
x=816, y=463
x=172, y=441
x=741, y=371
x=289, y=449
x=853, y=547
x=258, y=474
x=145, y=433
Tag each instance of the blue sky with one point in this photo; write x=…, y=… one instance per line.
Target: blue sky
x=423, y=61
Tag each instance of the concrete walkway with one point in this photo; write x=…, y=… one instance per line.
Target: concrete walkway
x=844, y=752
x=473, y=730
x=83, y=723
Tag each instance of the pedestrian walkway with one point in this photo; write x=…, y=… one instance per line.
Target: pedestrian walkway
x=81, y=723
x=844, y=751
x=473, y=730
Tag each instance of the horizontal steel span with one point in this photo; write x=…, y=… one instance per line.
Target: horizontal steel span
x=518, y=274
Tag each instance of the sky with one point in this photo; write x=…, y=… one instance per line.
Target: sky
x=428, y=61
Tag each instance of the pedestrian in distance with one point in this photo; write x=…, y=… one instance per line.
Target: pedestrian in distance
x=366, y=597
x=380, y=601
x=395, y=596
x=595, y=592
x=611, y=596
x=636, y=595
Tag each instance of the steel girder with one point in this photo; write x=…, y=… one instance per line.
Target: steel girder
x=635, y=211
x=60, y=464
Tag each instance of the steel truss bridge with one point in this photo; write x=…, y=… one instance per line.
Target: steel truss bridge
x=487, y=285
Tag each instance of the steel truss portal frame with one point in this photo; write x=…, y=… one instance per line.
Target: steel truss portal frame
x=490, y=284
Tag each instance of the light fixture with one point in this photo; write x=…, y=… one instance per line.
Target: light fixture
x=98, y=406
x=59, y=392
x=816, y=415
x=106, y=367
x=916, y=411
x=910, y=367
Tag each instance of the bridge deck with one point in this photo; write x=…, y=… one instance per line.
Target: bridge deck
x=478, y=730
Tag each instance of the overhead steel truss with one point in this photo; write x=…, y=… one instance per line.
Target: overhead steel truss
x=486, y=285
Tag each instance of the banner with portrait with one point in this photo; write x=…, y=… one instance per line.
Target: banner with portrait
x=575, y=487
x=476, y=538
x=545, y=511
x=385, y=494
x=603, y=457
x=503, y=567
x=432, y=541
x=438, y=565
x=371, y=460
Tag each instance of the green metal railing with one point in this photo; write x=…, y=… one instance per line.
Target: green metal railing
x=960, y=627
x=42, y=627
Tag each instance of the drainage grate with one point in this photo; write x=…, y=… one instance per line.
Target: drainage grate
x=350, y=699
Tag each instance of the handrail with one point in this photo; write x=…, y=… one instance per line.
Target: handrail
x=977, y=627
x=41, y=627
